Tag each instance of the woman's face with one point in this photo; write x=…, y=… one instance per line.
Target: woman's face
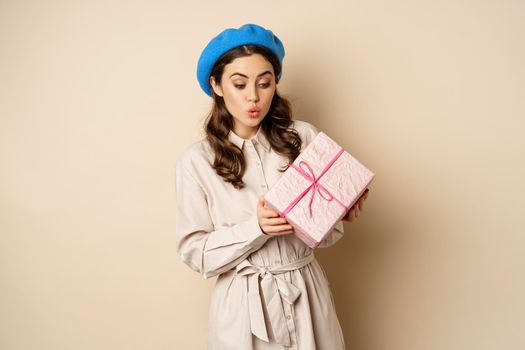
x=247, y=83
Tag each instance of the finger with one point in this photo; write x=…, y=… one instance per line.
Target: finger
x=274, y=221
x=278, y=233
x=351, y=217
x=269, y=213
x=362, y=199
x=277, y=228
x=349, y=214
x=265, y=212
x=281, y=228
x=281, y=233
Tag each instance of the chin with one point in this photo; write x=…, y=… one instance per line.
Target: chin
x=254, y=121
x=250, y=122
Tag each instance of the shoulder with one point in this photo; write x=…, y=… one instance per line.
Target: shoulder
x=195, y=157
x=306, y=131
x=304, y=127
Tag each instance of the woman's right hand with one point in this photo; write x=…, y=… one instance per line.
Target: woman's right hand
x=270, y=221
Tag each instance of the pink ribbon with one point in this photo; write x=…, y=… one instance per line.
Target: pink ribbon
x=315, y=185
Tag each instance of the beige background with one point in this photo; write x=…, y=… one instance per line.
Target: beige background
x=98, y=99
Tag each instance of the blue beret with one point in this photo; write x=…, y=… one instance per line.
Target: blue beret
x=229, y=39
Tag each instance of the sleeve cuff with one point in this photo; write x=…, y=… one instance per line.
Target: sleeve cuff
x=254, y=233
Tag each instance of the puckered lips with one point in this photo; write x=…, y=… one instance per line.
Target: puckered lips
x=253, y=111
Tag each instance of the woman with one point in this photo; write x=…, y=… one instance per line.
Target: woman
x=270, y=293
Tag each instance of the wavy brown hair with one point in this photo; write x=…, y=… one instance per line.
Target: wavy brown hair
x=229, y=160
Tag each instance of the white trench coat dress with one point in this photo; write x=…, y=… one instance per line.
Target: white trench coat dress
x=271, y=293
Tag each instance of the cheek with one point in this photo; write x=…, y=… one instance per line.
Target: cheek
x=233, y=99
x=268, y=96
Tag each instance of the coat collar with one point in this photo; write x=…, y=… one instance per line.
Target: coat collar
x=258, y=138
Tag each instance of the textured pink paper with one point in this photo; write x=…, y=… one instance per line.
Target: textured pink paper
x=346, y=180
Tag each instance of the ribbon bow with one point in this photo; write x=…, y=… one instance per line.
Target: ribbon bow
x=273, y=291
x=315, y=185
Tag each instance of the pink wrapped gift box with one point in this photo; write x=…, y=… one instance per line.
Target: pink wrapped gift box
x=318, y=189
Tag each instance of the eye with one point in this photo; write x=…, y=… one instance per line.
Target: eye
x=238, y=86
x=264, y=85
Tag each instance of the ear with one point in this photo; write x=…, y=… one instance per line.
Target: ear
x=216, y=87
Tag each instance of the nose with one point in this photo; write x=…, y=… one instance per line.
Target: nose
x=253, y=95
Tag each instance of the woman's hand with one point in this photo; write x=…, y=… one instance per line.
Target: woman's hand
x=270, y=221
x=353, y=213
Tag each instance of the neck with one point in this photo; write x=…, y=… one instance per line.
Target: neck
x=246, y=132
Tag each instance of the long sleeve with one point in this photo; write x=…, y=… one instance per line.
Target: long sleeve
x=204, y=248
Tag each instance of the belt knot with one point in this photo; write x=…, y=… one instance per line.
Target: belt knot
x=273, y=291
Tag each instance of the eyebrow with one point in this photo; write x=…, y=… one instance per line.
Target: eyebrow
x=267, y=72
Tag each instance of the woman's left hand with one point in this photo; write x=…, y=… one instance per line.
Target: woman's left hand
x=353, y=213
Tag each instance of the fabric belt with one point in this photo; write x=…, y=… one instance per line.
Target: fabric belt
x=273, y=291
